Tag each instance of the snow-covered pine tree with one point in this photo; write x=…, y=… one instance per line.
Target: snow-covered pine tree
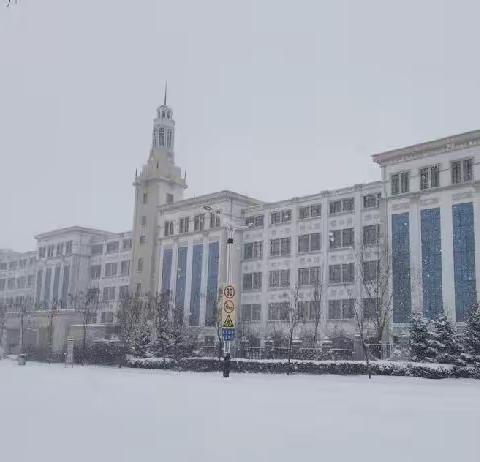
x=444, y=342
x=419, y=338
x=142, y=340
x=472, y=334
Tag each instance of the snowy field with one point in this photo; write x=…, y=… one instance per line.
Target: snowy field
x=52, y=413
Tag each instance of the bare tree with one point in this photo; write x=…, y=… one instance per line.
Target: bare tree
x=294, y=316
x=129, y=315
x=316, y=308
x=3, y=321
x=87, y=305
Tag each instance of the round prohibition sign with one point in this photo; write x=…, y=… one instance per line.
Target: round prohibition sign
x=229, y=291
x=228, y=306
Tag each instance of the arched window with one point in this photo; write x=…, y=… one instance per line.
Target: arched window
x=169, y=138
x=161, y=141
x=163, y=114
x=140, y=265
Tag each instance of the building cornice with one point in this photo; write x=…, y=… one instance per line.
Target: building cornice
x=208, y=198
x=429, y=148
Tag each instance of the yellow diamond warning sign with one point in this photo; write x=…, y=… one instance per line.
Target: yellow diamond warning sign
x=228, y=323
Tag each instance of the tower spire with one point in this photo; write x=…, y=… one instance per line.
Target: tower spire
x=165, y=95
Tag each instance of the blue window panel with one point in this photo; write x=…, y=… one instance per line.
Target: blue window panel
x=464, y=259
x=166, y=270
x=46, y=289
x=39, y=285
x=65, y=284
x=212, y=284
x=196, y=284
x=56, y=284
x=402, y=297
x=431, y=263
x=180, y=285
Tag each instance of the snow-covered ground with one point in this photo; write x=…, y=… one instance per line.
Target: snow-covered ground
x=95, y=414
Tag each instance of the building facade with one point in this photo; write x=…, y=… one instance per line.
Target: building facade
x=433, y=222
x=419, y=225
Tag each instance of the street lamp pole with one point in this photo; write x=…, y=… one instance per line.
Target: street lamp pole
x=229, y=279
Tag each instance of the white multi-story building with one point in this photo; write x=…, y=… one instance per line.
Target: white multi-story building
x=433, y=216
x=423, y=215
x=309, y=248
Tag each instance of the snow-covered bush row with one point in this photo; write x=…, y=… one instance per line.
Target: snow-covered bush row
x=408, y=369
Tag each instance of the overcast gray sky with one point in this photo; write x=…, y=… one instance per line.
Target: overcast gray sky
x=272, y=98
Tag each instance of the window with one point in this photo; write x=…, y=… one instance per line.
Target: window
x=60, y=249
x=371, y=234
x=161, y=133
x=370, y=270
x=11, y=283
x=309, y=242
x=169, y=138
x=251, y=312
x=309, y=310
x=430, y=177
x=143, y=220
x=342, y=205
x=371, y=201
x=214, y=220
x=123, y=292
x=199, y=222
x=107, y=317
x=143, y=240
x=21, y=282
x=279, y=278
x=282, y=216
x=278, y=311
x=108, y=293
x=127, y=244
x=23, y=263
x=113, y=247
x=341, y=309
x=400, y=183
x=168, y=228
x=2, y=284
x=96, y=249
x=12, y=265
x=41, y=252
x=252, y=281
x=310, y=211
x=341, y=238
x=3, y=266
x=342, y=273
x=50, y=250
x=140, y=265
x=371, y=307
x=30, y=280
x=254, y=222
x=110, y=270
x=95, y=271
x=69, y=248
x=280, y=247
x=309, y=276
x=125, y=268
x=145, y=198
x=184, y=225
x=169, y=198
x=138, y=288
x=253, y=250
x=31, y=261
x=462, y=171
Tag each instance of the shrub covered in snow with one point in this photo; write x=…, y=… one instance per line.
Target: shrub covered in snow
x=410, y=369
x=472, y=336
